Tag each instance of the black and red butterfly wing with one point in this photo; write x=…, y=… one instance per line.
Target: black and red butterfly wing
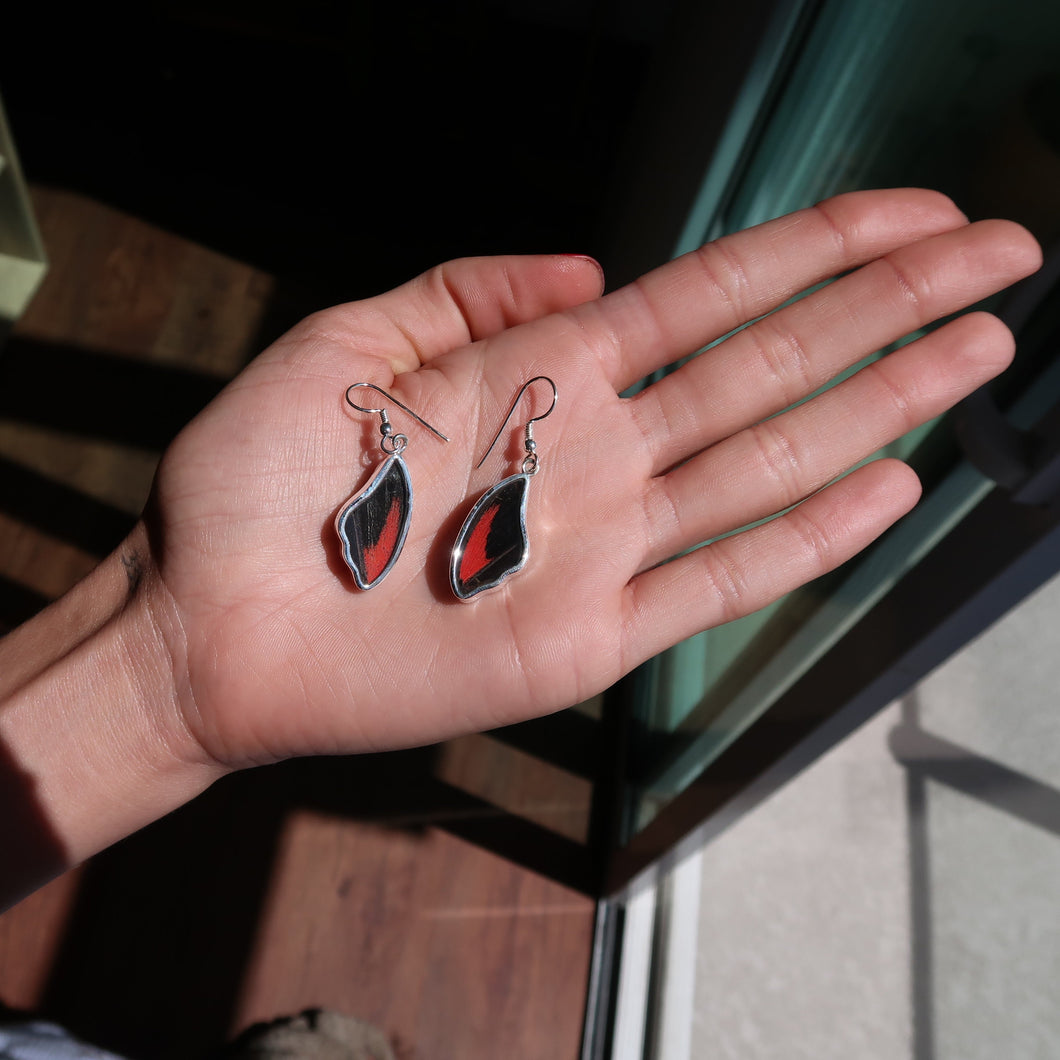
x=372, y=524
x=492, y=544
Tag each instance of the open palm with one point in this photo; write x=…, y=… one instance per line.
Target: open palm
x=278, y=653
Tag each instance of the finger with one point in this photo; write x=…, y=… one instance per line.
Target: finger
x=680, y=307
x=799, y=348
x=774, y=464
x=459, y=302
x=742, y=573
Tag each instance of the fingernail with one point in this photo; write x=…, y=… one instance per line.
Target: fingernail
x=591, y=260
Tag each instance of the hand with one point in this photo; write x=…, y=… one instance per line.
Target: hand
x=226, y=631
x=277, y=654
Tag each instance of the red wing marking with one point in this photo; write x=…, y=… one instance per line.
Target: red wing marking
x=475, y=556
x=377, y=555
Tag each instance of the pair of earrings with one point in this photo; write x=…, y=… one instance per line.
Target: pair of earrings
x=492, y=544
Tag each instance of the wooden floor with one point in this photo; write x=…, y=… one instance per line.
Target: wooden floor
x=378, y=886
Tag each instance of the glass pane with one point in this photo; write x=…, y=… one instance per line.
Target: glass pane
x=22, y=259
x=878, y=94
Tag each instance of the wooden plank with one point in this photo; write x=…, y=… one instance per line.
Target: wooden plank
x=120, y=285
x=517, y=782
x=448, y=948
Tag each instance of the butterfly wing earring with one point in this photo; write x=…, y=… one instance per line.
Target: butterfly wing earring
x=492, y=544
x=373, y=523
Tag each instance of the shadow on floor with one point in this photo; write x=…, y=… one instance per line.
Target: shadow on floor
x=165, y=921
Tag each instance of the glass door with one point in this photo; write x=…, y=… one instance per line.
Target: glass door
x=848, y=94
x=870, y=95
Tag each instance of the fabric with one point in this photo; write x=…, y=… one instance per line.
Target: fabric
x=312, y=1035
x=45, y=1041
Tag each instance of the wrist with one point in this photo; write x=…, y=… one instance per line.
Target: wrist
x=151, y=650
x=93, y=741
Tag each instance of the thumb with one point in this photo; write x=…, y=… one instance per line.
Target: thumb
x=465, y=300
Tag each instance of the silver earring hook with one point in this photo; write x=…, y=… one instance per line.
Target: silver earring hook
x=397, y=441
x=530, y=463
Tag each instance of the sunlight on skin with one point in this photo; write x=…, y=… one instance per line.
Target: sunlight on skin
x=242, y=639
